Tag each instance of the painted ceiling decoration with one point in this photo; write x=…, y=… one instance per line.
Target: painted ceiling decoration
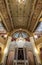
x=23, y=14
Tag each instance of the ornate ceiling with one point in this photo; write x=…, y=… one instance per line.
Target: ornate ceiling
x=17, y=15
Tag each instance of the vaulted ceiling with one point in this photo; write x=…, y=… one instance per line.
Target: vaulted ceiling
x=17, y=14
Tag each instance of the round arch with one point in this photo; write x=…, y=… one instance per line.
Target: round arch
x=21, y=30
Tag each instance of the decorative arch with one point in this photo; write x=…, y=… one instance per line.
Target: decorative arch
x=21, y=30
x=21, y=33
x=39, y=45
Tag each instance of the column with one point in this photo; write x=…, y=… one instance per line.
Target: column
x=6, y=50
x=35, y=50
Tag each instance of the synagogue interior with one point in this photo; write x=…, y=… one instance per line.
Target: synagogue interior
x=20, y=32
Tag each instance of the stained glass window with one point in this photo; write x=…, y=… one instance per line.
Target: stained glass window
x=2, y=30
x=39, y=28
x=20, y=34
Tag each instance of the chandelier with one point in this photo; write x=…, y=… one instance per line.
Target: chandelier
x=21, y=1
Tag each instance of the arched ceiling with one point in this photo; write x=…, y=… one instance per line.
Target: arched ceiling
x=17, y=15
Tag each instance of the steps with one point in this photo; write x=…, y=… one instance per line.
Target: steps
x=19, y=63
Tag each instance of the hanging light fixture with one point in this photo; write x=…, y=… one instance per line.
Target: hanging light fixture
x=21, y=1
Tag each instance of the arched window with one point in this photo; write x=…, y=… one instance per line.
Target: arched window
x=20, y=34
